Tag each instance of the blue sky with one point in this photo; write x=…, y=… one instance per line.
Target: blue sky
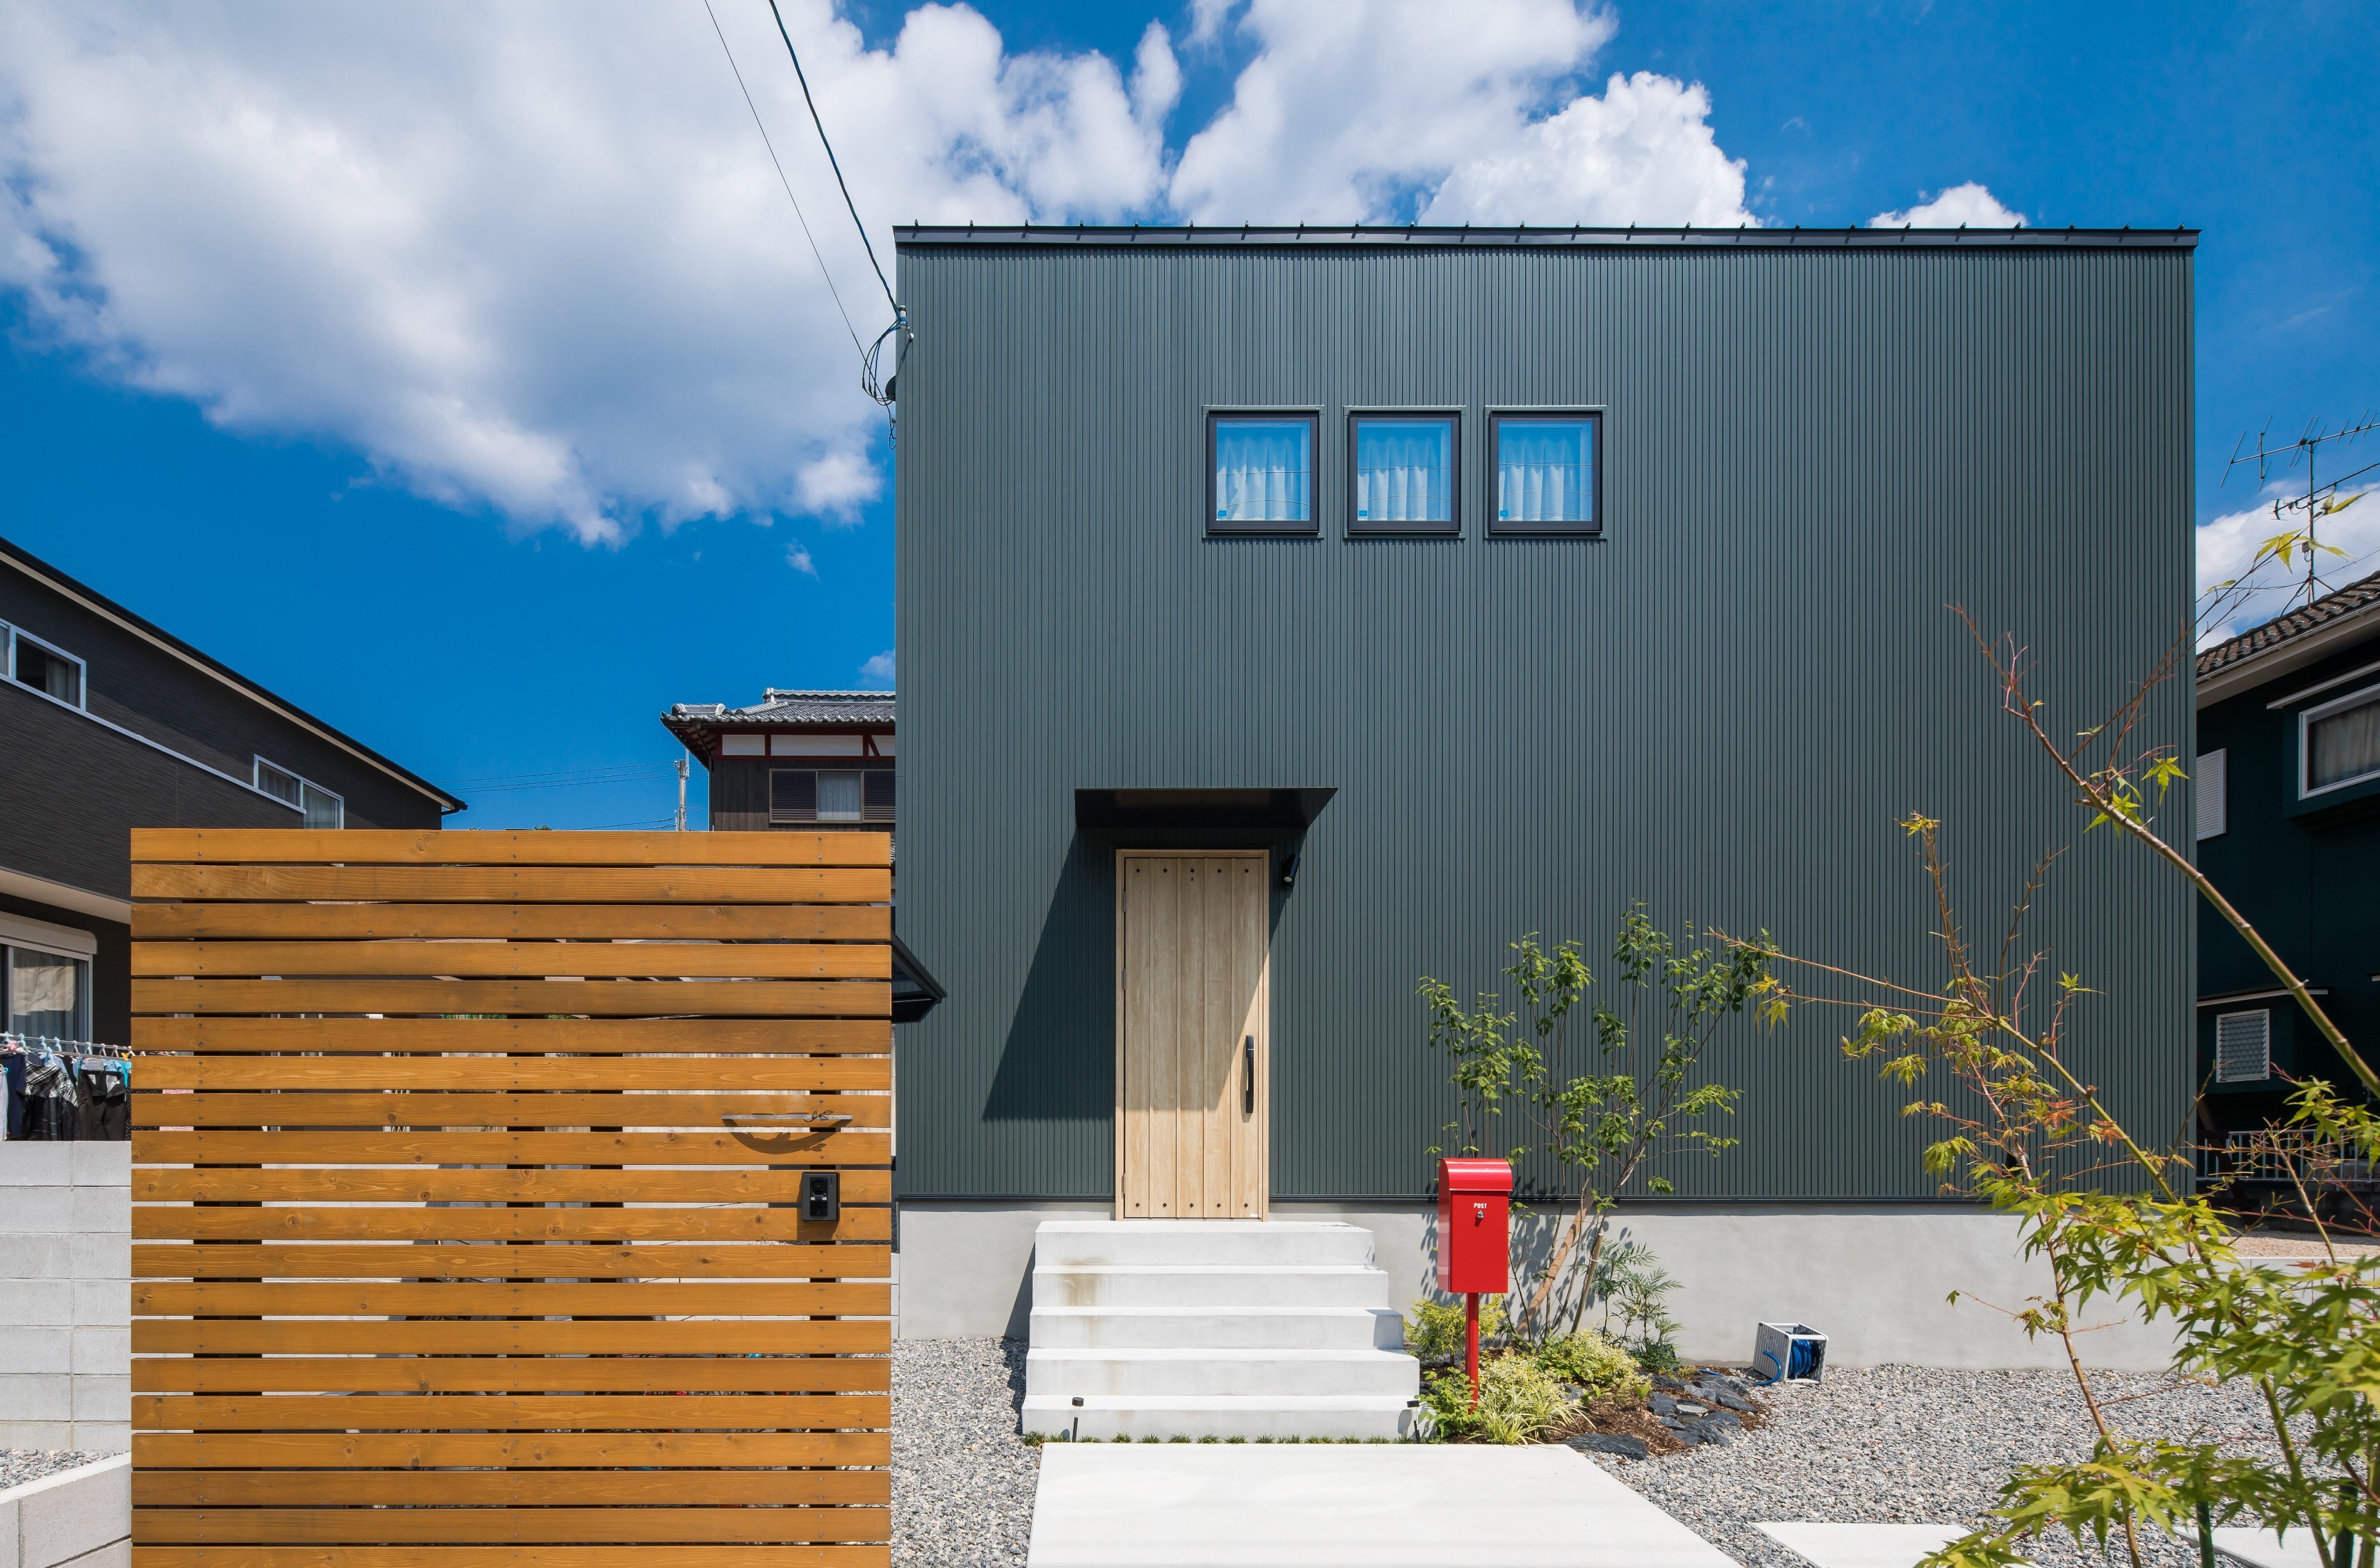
x=482, y=619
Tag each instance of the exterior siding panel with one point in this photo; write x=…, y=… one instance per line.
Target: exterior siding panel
x=1721, y=707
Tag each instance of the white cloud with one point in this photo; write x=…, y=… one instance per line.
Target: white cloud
x=529, y=256
x=2229, y=546
x=798, y=556
x=877, y=671
x=1642, y=154
x=533, y=256
x=1969, y=205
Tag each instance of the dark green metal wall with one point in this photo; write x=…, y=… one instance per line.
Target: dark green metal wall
x=1721, y=708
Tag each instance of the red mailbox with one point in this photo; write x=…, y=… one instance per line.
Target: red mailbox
x=1474, y=1227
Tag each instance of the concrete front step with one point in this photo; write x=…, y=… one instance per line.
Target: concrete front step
x=1109, y=1416
x=1203, y=1286
x=1134, y=1327
x=1218, y=1243
x=1206, y=1370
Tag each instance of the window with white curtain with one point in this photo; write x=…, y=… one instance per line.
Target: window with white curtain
x=1263, y=471
x=319, y=806
x=2339, y=743
x=1404, y=473
x=1547, y=473
x=46, y=669
x=48, y=993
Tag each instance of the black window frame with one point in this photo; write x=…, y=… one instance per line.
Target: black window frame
x=793, y=812
x=1593, y=415
x=1312, y=526
x=1451, y=417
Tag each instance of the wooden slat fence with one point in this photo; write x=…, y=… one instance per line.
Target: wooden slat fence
x=453, y=1241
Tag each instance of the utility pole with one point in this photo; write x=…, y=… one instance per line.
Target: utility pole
x=2320, y=500
x=681, y=794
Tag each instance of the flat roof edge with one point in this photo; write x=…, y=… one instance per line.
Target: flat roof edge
x=1362, y=236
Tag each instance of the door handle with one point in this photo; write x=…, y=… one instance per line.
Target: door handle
x=1248, y=1077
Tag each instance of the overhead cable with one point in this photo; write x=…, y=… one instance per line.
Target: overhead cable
x=798, y=215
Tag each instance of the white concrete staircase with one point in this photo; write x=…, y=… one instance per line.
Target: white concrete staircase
x=1214, y=1328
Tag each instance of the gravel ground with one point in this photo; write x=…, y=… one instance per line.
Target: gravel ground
x=19, y=1466
x=963, y=1478
x=1910, y=1445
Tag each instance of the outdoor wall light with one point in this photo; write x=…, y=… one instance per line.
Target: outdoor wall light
x=1288, y=871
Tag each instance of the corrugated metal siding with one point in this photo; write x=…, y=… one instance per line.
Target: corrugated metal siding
x=1721, y=709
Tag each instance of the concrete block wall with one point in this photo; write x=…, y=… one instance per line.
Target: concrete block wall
x=79, y=1518
x=66, y=1295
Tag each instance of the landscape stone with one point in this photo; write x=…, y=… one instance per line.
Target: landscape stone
x=1661, y=1404
x=1610, y=1442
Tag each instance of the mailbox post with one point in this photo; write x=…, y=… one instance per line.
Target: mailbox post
x=1474, y=1241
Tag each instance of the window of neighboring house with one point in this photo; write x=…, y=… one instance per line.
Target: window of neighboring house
x=1549, y=473
x=2243, y=1047
x=879, y=795
x=48, y=993
x=46, y=669
x=839, y=796
x=322, y=809
x=2339, y=743
x=792, y=795
x=2213, y=780
x=1263, y=472
x=805, y=794
x=1404, y=474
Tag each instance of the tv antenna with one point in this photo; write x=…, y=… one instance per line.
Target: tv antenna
x=2320, y=500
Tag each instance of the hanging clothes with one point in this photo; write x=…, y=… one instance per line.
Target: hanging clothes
x=51, y=1113
x=12, y=1064
x=104, y=1102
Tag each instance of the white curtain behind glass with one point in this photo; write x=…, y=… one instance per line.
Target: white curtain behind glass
x=1543, y=472
x=1262, y=467
x=2346, y=746
x=45, y=993
x=1401, y=472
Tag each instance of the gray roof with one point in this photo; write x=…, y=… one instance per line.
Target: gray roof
x=1381, y=237
x=697, y=724
x=2292, y=627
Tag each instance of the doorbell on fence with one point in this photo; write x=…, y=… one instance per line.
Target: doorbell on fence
x=822, y=1195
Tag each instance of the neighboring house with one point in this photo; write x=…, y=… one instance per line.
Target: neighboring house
x=1288, y=615
x=806, y=760
x=2288, y=807
x=110, y=722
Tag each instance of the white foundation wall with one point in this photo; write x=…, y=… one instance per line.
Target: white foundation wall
x=66, y=1295
x=1873, y=1278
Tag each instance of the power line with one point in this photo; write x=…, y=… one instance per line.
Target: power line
x=832, y=161
x=798, y=215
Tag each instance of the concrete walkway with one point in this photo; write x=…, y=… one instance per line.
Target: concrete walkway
x=1320, y=1505
x=1861, y=1546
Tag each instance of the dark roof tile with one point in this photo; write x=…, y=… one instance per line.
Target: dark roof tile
x=2357, y=596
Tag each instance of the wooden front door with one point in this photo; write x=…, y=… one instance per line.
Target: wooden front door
x=1194, y=1007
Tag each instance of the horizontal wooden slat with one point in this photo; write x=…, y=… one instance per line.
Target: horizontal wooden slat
x=573, y=1036
x=152, y=1147
x=334, y=1185
x=501, y=1525
x=474, y=1412
x=422, y=1108
x=725, y=998
x=507, y=884
x=514, y=922
x=877, y=1556
x=512, y=1374
x=499, y=1260
x=520, y=1489
x=336, y=1222
x=517, y=1074
x=610, y=1299
x=383, y=1336
x=518, y=960
x=506, y=846
x=680, y=1451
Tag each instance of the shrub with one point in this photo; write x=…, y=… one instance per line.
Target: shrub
x=1437, y=1327
x=1595, y=1364
x=1517, y=1403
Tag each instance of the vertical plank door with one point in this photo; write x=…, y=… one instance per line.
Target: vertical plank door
x=469, y=1214
x=1194, y=1048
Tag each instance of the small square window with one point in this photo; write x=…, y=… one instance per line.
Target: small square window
x=1404, y=480
x=1263, y=472
x=2243, y=1047
x=1549, y=473
x=2339, y=743
x=47, y=670
x=792, y=795
x=839, y=797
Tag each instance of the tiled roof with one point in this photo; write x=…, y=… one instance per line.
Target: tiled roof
x=695, y=723
x=2354, y=599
